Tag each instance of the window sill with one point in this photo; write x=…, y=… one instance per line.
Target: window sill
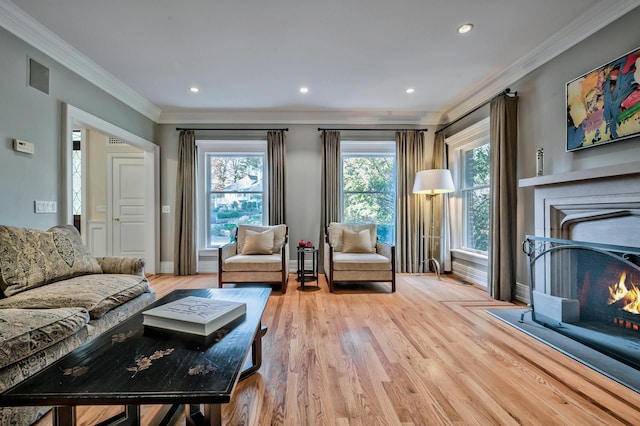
x=470, y=256
x=208, y=252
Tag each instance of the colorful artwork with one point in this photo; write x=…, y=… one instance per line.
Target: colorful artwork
x=604, y=105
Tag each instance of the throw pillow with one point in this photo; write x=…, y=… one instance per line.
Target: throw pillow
x=257, y=242
x=356, y=242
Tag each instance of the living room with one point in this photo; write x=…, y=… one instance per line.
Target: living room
x=29, y=114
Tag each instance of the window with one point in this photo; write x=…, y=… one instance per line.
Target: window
x=475, y=198
x=369, y=185
x=470, y=166
x=234, y=188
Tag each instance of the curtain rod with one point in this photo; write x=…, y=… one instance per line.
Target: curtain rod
x=506, y=91
x=373, y=130
x=286, y=129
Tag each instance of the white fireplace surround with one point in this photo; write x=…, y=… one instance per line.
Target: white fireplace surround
x=600, y=205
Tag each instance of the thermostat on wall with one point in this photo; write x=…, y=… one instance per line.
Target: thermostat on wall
x=23, y=146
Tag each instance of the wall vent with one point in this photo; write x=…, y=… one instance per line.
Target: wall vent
x=115, y=141
x=38, y=76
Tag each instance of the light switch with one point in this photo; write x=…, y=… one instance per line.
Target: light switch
x=166, y=209
x=45, y=206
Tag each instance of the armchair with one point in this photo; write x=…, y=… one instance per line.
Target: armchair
x=352, y=253
x=259, y=254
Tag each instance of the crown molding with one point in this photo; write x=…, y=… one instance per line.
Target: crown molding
x=597, y=17
x=23, y=26
x=337, y=117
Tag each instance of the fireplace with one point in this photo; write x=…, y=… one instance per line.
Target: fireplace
x=587, y=227
x=599, y=288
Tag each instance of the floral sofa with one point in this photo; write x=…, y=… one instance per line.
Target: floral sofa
x=54, y=296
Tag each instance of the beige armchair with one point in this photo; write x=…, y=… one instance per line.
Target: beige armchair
x=259, y=254
x=352, y=253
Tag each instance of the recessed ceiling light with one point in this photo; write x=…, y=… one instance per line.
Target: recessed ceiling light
x=463, y=29
x=304, y=89
x=194, y=89
x=410, y=90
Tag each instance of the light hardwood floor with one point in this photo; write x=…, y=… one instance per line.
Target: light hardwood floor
x=428, y=354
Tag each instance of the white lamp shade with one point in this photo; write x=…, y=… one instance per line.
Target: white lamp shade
x=434, y=181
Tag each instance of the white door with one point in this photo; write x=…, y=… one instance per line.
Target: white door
x=128, y=206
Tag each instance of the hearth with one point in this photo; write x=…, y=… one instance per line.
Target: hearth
x=589, y=292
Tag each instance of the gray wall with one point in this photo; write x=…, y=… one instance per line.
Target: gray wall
x=303, y=175
x=542, y=116
x=31, y=115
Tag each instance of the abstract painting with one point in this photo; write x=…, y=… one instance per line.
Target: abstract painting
x=604, y=105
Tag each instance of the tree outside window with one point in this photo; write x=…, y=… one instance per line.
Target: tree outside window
x=369, y=193
x=235, y=194
x=476, y=199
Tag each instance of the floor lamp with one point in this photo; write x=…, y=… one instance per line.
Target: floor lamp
x=433, y=182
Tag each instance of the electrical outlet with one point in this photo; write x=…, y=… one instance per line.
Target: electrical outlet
x=166, y=209
x=101, y=209
x=45, y=206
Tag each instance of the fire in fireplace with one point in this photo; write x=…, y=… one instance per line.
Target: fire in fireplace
x=597, y=285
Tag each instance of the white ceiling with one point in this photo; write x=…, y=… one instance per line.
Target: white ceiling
x=249, y=57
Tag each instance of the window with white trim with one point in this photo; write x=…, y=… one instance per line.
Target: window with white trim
x=470, y=162
x=234, y=188
x=368, y=183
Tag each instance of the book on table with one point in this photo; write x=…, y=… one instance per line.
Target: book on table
x=193, y=315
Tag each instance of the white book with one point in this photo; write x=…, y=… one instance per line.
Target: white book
x=194, y=315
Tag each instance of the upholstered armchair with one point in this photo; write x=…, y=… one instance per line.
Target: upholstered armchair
x=352, y=253
x=259, y=254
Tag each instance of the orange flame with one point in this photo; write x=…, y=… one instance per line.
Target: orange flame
x=631, y=298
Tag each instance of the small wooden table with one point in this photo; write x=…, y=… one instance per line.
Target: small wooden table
x=306, y=275
x=124, y=367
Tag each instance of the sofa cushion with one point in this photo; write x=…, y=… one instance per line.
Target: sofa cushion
x=279, y=235
x=360, y=262
x=253, y=263
x=96, y=293
x=258, y=242
x=30, y=258
x=334, y=231
x=24, y=332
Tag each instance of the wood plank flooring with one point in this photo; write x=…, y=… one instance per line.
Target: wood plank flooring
x=428, y=354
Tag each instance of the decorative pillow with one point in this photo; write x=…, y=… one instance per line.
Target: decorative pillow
x=258, y=242
x=356, y=242
x=279, y=235
x=334, y=231
x=31, y=258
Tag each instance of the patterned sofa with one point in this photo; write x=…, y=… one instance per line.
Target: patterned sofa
x=54, y=296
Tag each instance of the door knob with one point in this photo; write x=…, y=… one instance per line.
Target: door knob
x=116, y=219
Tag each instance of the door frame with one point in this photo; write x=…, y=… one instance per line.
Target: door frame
x=74, y=117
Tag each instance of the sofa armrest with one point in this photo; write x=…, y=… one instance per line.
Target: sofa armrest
x=121, y=265
x=227, y=250
x=384, y=249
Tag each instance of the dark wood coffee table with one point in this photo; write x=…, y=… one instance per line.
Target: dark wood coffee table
x=124, y=366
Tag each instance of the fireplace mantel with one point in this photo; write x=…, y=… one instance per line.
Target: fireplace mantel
x=580, y=175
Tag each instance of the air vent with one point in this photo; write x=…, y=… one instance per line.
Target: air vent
x=38, y=76
x=115, y=141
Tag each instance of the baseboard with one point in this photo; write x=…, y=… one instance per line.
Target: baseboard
x=522, y=293
x=166, y=267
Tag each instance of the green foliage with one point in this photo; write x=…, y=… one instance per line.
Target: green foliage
x=477, y=198
x=369, y=193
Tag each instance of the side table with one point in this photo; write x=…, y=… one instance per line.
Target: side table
x=306, y=275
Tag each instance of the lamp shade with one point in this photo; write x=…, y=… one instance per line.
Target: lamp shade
x=434, y=181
